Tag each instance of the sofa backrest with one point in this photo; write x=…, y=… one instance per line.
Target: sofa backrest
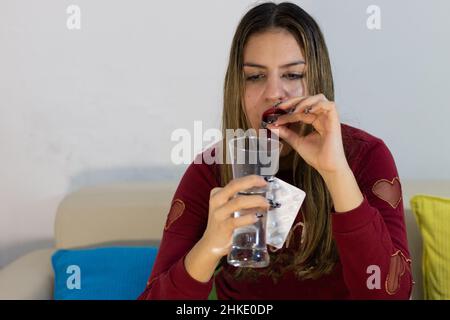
x=135, y=213
x=128, y=213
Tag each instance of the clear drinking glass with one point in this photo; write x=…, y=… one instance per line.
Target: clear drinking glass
x=259, y=156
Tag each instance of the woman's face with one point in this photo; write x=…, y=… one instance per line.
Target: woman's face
x=273, y=66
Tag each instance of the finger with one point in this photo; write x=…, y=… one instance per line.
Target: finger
x=243, y=212
x=305, y=105
x=291, y=103
x=214, y=191
x=321, y=108
x=302, y=102
x=241, y=202
x=285, y=133
x=213, y=200
x=236, y=185
x=325, y=111
x=307, y=111
x=233, y=223
x=295, y=117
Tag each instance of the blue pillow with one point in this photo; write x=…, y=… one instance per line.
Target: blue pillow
x=113, y=273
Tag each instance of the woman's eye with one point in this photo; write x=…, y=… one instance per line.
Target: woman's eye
x=255, y=77
x=294, y=76
x=290, y=76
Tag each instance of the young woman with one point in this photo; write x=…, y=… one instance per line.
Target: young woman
x=348, y=240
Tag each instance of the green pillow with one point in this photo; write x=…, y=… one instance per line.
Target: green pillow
x=433, y=218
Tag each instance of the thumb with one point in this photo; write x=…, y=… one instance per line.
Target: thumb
x=284, y=133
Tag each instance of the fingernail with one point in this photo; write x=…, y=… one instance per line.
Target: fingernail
x=274, y=204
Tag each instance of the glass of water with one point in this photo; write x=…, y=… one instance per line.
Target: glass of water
x=252, y=155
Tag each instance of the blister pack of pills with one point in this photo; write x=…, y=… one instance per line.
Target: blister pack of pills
x=286, y=201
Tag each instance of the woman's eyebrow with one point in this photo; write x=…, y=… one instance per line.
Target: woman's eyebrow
x=251, y=64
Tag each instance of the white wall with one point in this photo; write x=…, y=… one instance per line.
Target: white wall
x=99, y=104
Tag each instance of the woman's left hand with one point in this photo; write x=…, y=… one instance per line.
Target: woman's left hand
x=323, y=148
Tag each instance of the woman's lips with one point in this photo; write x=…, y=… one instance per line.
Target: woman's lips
x=271, y=115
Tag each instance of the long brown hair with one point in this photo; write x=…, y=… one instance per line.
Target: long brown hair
x=318, y=252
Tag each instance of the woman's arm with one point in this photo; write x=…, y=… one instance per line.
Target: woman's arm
x=371, y=235
x=186, y=223
x=200, y=264
x=344, y=190
x=369, y=230
x=198, y=233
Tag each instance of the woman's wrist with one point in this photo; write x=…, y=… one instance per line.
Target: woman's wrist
x=201, y=262
x=344, y=189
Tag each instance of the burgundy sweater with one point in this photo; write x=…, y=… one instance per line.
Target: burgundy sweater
x=371, y=239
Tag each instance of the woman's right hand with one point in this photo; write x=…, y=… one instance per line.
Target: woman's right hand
x=217, y=237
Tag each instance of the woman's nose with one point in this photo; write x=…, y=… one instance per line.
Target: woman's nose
x=275, y=90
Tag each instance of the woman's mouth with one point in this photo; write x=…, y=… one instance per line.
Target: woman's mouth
x=271, y=115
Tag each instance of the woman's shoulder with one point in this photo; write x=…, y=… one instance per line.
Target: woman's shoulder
x=359, y=145
x=205, y=168
x=374, y=167
x=359, y=136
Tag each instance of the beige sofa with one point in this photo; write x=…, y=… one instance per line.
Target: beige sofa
x=120, y=214
x=135, y=213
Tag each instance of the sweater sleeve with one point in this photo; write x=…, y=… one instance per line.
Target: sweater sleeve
x=371, y=238
x=185, y=224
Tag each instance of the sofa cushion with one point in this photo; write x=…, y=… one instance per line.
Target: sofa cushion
x=110, y=273
x=30, y=277
x=433, y=218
